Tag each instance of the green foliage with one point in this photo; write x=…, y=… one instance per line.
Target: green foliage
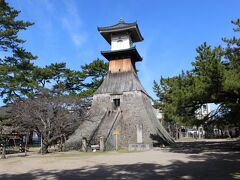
x=93, y=75
x=61, y=80
x=16, y=67
x=58, y=78
x=10, y=27
x=214, y=78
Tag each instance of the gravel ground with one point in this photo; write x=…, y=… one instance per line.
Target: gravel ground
x=188, y=159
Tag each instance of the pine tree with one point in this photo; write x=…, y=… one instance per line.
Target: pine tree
x=214, y=78
x=16, y=67
x=93, y=75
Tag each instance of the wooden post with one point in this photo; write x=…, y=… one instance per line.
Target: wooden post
x=116, y=133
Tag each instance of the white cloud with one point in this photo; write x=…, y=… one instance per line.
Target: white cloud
x=144, y=51
x=145, y=73
x=65, y=13
x=78, y=39
x=72, y=23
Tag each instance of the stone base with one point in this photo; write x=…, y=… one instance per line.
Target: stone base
x=139, y=147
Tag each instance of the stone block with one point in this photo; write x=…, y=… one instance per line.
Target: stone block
x=139, y=147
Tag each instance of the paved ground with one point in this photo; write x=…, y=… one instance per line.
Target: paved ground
x=209, y=159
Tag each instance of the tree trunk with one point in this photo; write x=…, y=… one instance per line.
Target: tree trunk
x=177, y=133
x=44, y=145
x=3, y=152
x=228, y=133
x=30, y=138
x=61, y=144
x=44, y=148
x=26, y=143
x=64, y=141
x=221, y=133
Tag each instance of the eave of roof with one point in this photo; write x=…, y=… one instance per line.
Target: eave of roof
x=119, y=54
x=118, y=26
x=121, y=27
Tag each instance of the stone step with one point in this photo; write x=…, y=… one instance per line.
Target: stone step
x=106, y=124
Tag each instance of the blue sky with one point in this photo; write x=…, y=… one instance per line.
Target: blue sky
x=66, y=30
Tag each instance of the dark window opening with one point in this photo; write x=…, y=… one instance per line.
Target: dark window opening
x=204, y=106
x=119, y=41
x=116, y=102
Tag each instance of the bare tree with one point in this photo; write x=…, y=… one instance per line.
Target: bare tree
x=55, y=118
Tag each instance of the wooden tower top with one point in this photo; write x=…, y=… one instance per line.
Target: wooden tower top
x=123, y=54
x=122, y=74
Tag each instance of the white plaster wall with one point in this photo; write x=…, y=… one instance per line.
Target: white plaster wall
x=120, y=42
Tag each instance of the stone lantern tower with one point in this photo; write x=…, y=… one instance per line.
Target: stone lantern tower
x=121, y=104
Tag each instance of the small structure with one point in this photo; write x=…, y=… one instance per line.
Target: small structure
x=121, y=103
x=196, y=131
x=203, y=111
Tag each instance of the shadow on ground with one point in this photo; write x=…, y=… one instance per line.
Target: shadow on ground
x=197, y=147
x=210, y=165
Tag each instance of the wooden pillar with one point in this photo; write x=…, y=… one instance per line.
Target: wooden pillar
x=116, y=133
